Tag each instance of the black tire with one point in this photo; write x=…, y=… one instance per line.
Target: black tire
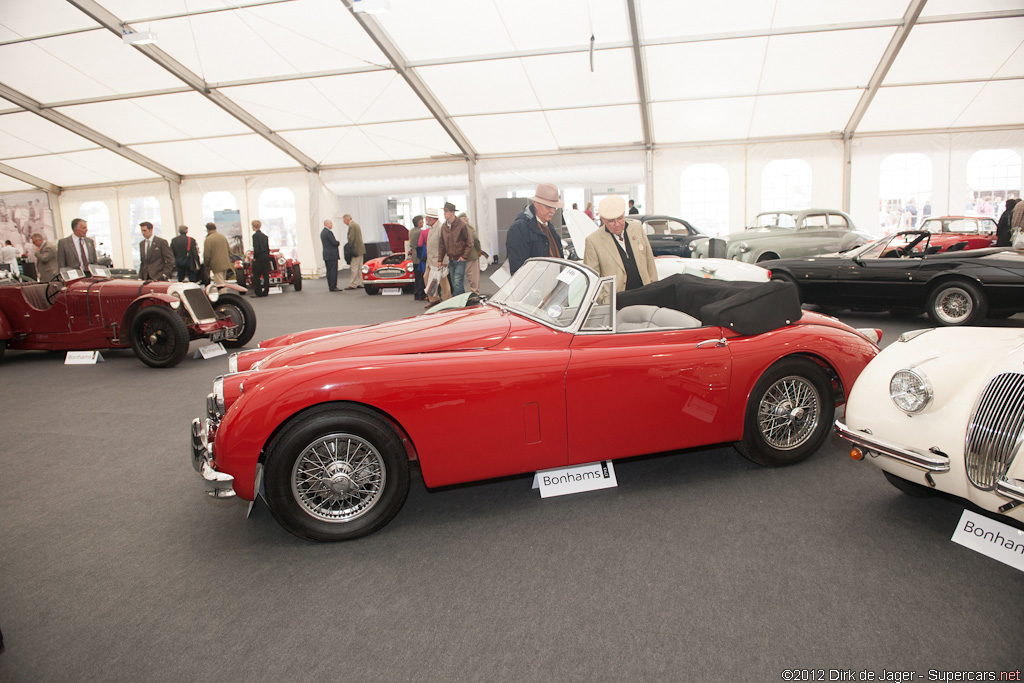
x=159, y=337
x=371, y=289
x=408, y=289
x=335, y=473
x=3, y=347
x=908, y=487
x=783, y=276
x=240, y=311
x=297, y=278
x=240, y=278
x=956, y=303
x=789, y=414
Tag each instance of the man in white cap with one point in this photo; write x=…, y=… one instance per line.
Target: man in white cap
x=620, y=249
x=432, y=242
x=531, y=233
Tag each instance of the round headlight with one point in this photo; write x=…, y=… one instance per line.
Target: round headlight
x=910, y=390
x=743, y=247
x=366, y=270
x=408, y=267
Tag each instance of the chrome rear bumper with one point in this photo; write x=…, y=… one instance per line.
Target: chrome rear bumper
x=217, y=484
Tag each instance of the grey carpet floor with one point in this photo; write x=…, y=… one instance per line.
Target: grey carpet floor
x=699, y=566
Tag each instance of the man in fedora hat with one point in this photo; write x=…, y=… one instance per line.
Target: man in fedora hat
x=531, y=233
x=457, y=244
x=433, y=239
x=619, y=249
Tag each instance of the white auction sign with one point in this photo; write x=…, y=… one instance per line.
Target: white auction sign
x=391, y=291
x=575, y=479
x=276, y=289
x=989, y=537
x=210, y=351
x=83, y=358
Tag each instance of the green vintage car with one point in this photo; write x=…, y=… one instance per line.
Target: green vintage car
x=788, y=234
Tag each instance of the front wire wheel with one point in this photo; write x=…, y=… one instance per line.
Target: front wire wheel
x=957, y=303
x=240, y=312
x=789, y=413
x=336, y=472
x=159, y=337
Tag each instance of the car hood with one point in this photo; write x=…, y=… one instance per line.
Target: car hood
x=458, y=330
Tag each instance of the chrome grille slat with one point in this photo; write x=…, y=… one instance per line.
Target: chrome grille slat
x=389, y=272
x=995, y=430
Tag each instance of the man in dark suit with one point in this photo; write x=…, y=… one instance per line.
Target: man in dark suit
x=331, y=255
x=156, y=259
x=76, y=250
x=260, y=260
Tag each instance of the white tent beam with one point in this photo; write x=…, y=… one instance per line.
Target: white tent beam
x=892, y=50
x=641, y=74
x=106, y=19
x=381, y=39
x=26, y=102
x=29, y=178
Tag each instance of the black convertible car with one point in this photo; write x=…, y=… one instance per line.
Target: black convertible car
x=669, y=236
x=903, y=272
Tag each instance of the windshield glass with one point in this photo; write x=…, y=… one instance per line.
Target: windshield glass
x=894, y=246
x=552, y=292
x=773, y=220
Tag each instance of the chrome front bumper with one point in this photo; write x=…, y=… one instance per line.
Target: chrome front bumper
x=931, y=462
x=217, y=484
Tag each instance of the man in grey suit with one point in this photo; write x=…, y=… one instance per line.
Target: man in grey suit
x=331, y=255
x=157, y=260
x=46, y=258
x=76, y=250
x=620, y=249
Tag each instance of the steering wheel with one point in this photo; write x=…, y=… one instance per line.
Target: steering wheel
x=53, y=288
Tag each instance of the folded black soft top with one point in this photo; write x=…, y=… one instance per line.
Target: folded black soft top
x=746, y=307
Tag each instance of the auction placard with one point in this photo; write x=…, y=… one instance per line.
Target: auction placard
x=989, y=537
x=83, y=358
x=210, y=351
x=560, y=481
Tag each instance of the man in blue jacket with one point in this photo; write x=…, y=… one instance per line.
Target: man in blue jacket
x=531, y=233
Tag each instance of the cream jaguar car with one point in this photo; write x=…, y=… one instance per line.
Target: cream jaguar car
x=933, y=413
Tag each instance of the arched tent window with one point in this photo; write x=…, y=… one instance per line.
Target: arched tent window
x=786, y=184
x=217, y=201
x=904, y=190
x=277, y=213
x=993, y=175
x=97, y=215
x=704, y=189
x=143, y=209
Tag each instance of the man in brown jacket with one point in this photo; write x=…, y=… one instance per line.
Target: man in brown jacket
x=457, y=244
x=216, y=254
x=355, y=243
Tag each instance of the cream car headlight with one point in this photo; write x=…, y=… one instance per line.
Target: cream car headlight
x=743, y=247
x=366, y=270
x=910, y=390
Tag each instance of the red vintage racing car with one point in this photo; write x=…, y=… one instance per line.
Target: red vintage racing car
x=157, y=320
x=283, y=270
x=326, y=427
x=394, y=270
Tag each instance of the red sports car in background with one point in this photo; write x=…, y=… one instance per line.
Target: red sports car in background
x=157, y=320
x=960, y=232
x=283, y=270
x=394, y=270
x=326, y=427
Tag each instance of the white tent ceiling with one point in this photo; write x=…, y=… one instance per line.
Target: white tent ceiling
x=290, y=84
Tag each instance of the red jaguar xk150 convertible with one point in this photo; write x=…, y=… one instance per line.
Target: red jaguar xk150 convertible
x=156, y=319
x=556, y=369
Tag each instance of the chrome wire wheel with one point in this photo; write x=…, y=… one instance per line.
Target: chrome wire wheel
x=954, y=306
x=338, y=478
x=788, y=414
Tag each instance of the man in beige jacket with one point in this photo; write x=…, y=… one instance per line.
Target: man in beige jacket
x=620, y=248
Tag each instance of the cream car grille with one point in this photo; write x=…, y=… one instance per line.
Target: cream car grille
x=199, y=304
x=994, y=433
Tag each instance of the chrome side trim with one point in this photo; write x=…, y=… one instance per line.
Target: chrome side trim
x=928, y=463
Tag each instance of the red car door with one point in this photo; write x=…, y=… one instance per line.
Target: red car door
x=632, y=393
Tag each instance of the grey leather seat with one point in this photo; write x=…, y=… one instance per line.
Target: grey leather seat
x=650, y=317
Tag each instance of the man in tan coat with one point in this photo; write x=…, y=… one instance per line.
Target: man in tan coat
x=355, y=243
x=46, y=258
x=216, y=254
x=620, y=249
